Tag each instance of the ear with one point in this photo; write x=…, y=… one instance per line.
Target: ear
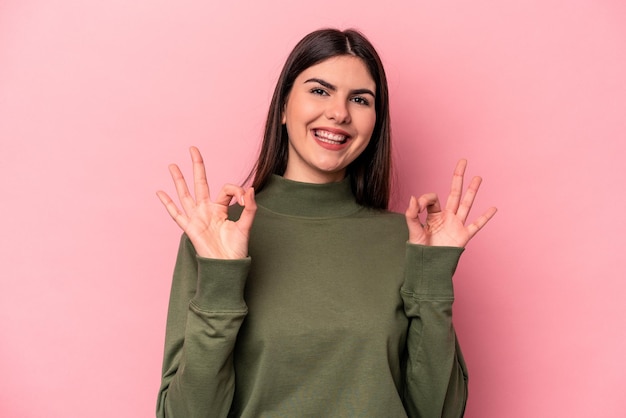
x=283, y=119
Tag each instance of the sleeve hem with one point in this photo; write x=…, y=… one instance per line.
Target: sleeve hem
x=429, y=271
x=221, y=284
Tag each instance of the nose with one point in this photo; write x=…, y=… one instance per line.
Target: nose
x=337, y=110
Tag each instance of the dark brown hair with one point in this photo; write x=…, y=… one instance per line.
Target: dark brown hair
x=370, y=173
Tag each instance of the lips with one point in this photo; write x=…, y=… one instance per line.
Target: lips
x=332, y=138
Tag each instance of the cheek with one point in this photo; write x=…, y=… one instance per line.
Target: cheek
x=300, y=111
x=366, y=130
x=367, y=125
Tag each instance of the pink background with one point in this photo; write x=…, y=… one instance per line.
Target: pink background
x=96, y=98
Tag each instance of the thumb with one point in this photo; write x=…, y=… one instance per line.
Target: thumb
x=416, y=229
x=412, y=212
x=249, y=210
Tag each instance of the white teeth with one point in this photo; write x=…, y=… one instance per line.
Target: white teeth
x=330, y=137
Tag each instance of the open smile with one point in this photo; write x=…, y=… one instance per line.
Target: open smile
x=332, y=138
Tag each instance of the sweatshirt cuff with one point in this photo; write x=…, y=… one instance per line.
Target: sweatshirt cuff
x=429, y=271
x=221, y=284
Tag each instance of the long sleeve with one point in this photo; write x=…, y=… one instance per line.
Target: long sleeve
x=435, y=375
x=205, y=312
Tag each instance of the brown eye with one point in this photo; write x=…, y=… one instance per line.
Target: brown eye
x=361, y=100
x=318, y=91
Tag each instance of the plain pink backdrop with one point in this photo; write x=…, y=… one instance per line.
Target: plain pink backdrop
x=96, y=98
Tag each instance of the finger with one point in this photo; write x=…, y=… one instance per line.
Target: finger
x=200, y=184
x=468, y=200
x=172, y=209
x=228, y=192
x=186, y=200
x=249, y=210
x=456, y=188
x=482, y=220
x=430, y=202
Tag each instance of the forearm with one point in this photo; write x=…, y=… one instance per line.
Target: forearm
x=203, y=380
x=198, y=375
x=436, y=376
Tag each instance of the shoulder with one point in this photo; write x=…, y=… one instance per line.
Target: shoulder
x=381, y=215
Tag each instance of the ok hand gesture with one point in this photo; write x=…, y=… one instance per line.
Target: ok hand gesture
x=446, y=227
x=204, y=221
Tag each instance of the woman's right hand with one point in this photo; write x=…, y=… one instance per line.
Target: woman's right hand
x=205, y=221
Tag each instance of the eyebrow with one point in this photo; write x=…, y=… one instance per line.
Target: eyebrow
x=333, y=88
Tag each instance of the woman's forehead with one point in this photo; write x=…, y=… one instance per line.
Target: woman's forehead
x=341, y=69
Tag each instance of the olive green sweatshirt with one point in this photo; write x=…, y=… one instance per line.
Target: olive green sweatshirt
x=333, y=314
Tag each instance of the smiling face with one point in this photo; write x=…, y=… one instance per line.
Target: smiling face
x=330, y=116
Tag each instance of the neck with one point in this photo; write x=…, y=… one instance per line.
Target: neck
x=315, y=178
x=295, y=198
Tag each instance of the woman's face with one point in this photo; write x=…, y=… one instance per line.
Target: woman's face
x=330, y=116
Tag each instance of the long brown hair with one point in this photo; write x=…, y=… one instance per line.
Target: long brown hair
x=370, y=173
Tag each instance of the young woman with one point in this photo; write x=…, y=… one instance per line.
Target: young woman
x=308, y=298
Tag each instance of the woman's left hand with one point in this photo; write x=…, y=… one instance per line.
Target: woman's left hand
x=446, y=227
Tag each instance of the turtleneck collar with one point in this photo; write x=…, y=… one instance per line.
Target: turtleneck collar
x=310, y=200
